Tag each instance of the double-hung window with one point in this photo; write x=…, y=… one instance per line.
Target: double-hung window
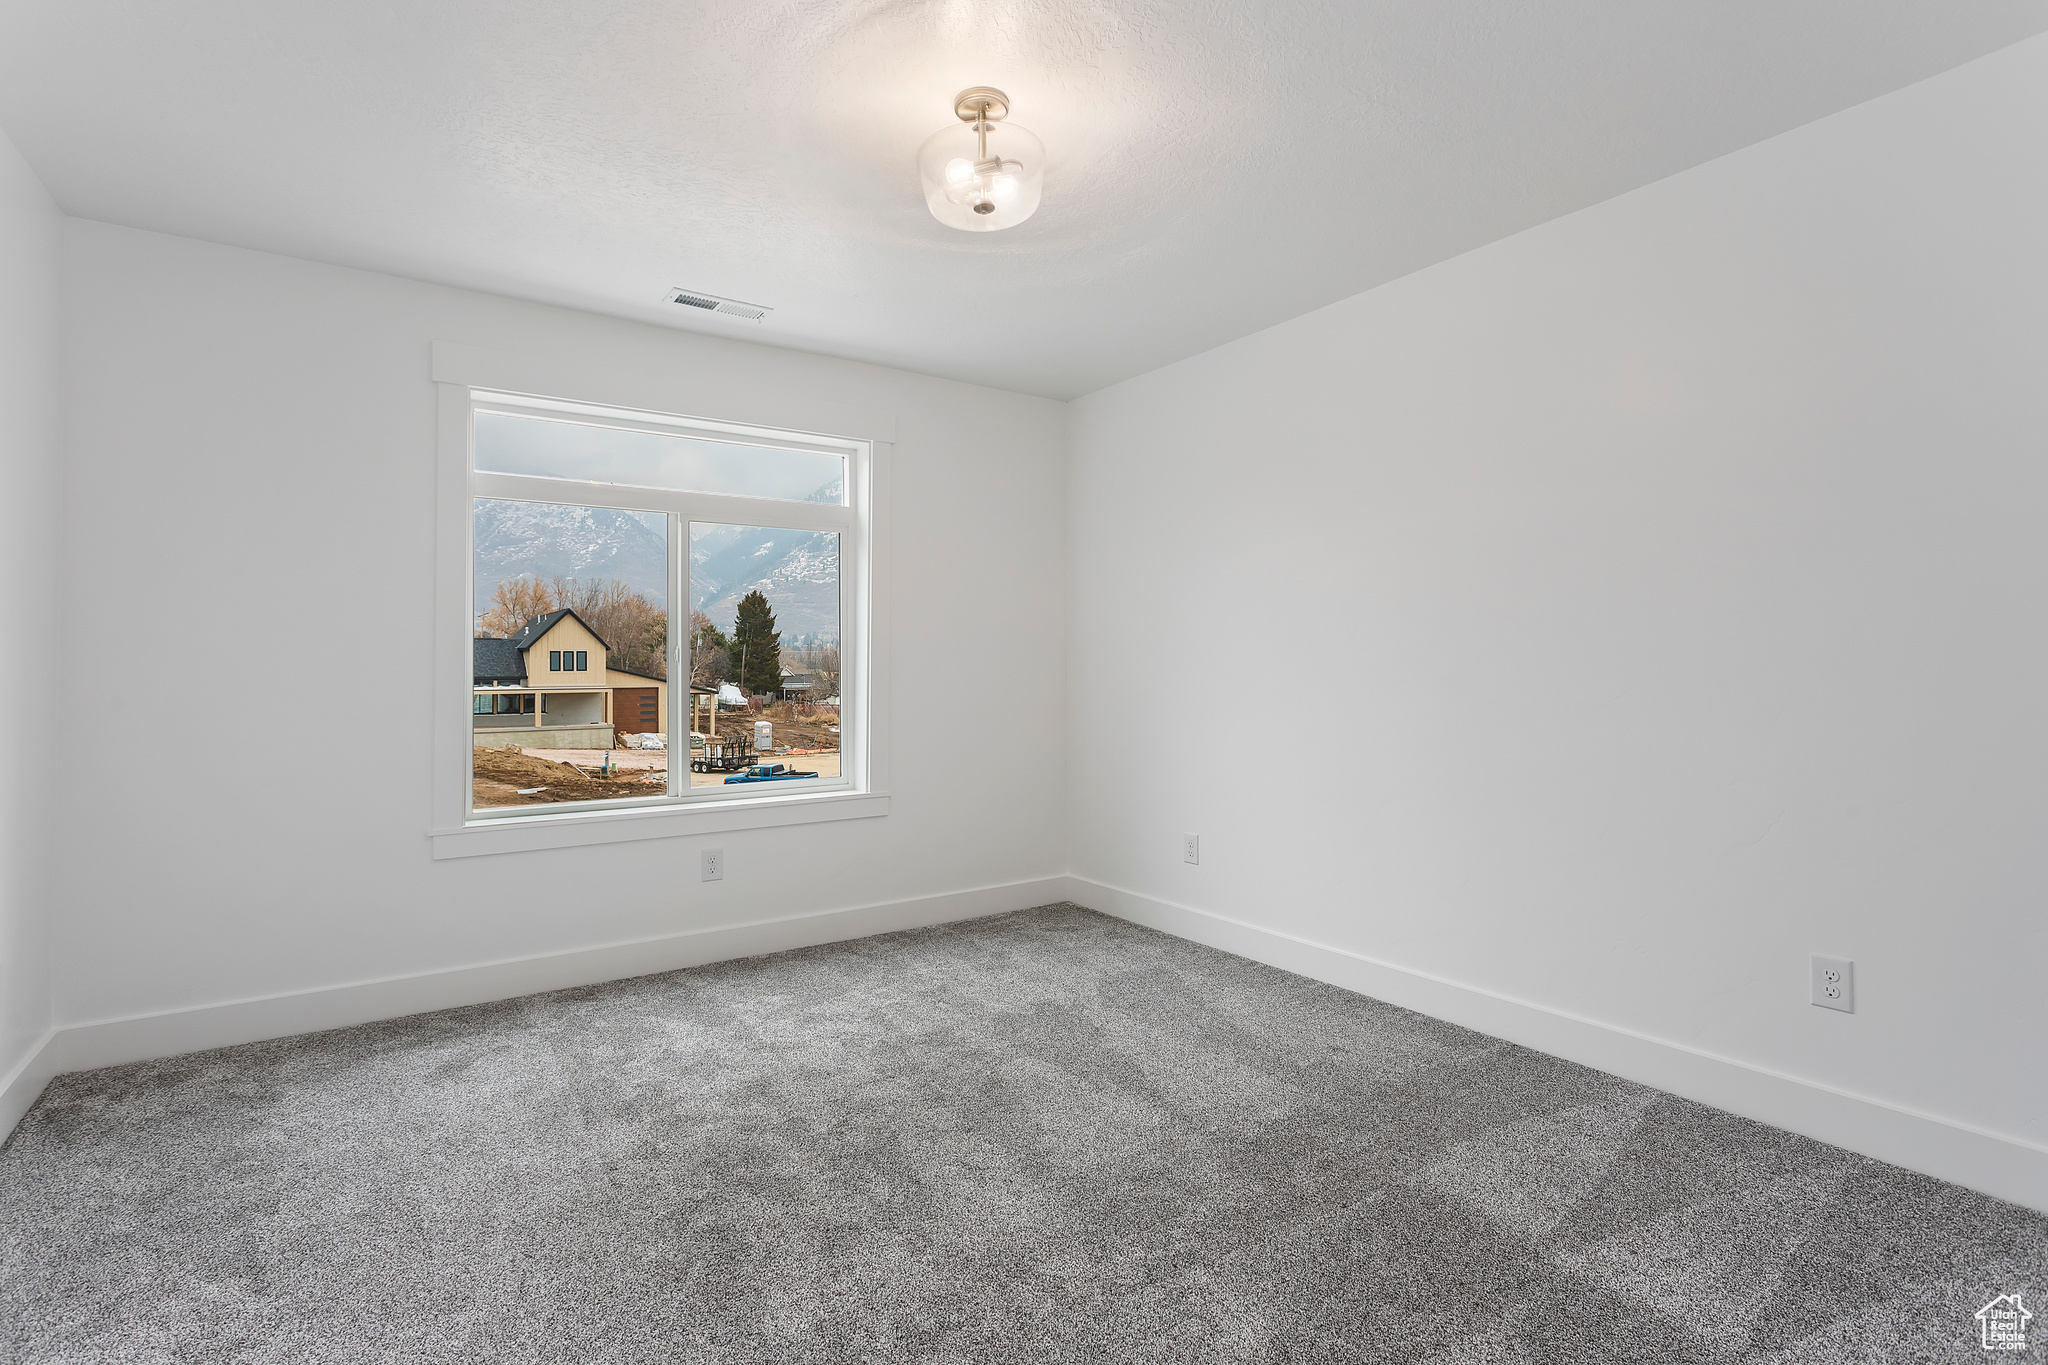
x=702, y=585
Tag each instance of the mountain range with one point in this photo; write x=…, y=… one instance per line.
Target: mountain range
x=798, y=571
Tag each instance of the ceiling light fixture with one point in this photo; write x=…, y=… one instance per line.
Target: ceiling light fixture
x=982, y=174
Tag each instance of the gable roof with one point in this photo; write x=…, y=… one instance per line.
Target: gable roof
x=501, y=662
x=541, y=625
x=496, y=661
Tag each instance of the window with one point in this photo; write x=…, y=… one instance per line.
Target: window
x=704, y=557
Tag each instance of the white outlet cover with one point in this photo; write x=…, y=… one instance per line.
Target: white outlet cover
x=711, y=864
x=1834, y=983
x=1193, y=851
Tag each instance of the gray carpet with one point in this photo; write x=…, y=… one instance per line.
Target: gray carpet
x=1049, y=1136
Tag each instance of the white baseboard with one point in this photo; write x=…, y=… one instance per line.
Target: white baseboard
x=2005, y=1167
x=19, y=1088
x=110, y=1042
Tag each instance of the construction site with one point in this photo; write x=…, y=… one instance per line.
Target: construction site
x=803, y=735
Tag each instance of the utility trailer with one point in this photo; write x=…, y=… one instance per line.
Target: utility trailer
x=718, y=755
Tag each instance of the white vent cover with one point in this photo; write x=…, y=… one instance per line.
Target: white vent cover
x=711, y=303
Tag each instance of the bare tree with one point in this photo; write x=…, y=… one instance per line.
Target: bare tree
x=826, y=665
x=710, y=663
x=632, y=625
x=515, y=602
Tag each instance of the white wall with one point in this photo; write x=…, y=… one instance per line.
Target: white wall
x=1647, y=601
x=29, y=225
x=251, y=462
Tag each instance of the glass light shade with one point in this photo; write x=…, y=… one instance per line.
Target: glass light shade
x=956, y=181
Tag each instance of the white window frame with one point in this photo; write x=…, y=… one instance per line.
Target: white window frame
x=469, y=379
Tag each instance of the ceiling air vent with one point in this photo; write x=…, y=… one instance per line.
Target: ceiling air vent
x=711, y=303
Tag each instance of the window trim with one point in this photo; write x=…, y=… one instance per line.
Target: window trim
x=716, y=404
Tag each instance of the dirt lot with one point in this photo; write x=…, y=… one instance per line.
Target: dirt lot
x=501, y=774
x=529, y=777
x=797, y=731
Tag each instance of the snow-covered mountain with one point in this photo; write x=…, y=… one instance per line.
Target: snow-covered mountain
x=798, y=571
x=543, y=540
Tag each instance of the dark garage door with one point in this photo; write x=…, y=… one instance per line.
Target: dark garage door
x=636, y=710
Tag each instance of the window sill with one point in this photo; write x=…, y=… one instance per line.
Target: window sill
x=576, y=829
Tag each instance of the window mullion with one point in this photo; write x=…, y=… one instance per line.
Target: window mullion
x=679, y=697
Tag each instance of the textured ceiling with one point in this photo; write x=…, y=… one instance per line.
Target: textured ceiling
x=1214, y=168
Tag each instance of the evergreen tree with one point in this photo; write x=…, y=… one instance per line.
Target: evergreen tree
x=755, y=650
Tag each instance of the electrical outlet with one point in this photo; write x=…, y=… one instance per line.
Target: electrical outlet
x=711, y=864
x=1193, y=854
x=1834, y=983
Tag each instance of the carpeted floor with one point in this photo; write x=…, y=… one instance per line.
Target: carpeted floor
x=1049, y=1136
